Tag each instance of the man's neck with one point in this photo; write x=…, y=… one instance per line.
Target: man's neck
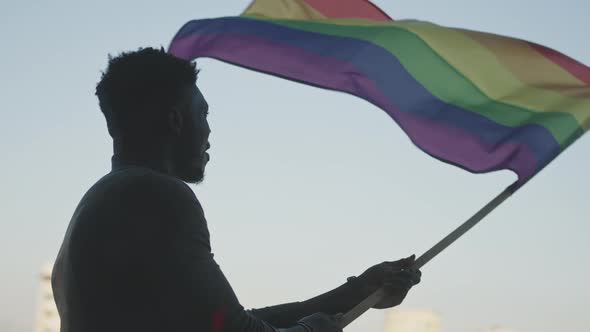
x=153, y=155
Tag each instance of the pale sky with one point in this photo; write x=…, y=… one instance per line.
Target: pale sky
x=305, y=187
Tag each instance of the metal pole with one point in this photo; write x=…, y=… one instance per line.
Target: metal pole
x=374, y=298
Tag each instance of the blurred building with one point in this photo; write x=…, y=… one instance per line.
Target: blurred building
x=411, y=321
x=47, y=318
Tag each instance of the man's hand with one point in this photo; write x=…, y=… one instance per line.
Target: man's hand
x=395, y=277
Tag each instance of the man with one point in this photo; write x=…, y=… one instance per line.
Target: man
x=136, y=255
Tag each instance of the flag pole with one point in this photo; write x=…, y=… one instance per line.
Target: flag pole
x=374, y=298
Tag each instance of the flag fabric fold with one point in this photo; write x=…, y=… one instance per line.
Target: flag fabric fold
x=479, y=101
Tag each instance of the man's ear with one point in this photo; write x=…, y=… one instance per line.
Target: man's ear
x=175, y=121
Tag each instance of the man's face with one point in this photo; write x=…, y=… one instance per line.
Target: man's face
x=193, y=141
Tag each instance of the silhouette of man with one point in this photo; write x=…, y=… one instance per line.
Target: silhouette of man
x=136, y=255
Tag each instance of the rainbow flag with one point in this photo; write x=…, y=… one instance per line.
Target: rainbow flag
x=477, y=100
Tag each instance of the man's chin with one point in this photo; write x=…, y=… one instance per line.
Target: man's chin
x=193, y=172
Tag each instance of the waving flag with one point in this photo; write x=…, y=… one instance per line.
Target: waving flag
x=480, y=101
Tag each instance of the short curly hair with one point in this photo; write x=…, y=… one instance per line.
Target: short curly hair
x=138, y=87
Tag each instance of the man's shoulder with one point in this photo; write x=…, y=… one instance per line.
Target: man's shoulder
x=131, y=211
x=142, y=182
x=137, y=191
x=138, y=197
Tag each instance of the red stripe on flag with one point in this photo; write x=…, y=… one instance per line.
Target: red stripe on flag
x=349, y=9
x=574, y=67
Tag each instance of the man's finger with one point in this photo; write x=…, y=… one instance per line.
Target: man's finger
x=411, y=273
x=404, y=276
x=395, y=266
x=399, y=289
x=414, y=271
x=403, y=263
x=408, y=262
x=400, y=282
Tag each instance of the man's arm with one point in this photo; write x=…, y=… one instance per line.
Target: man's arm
x=190, y=289
x=396, y=277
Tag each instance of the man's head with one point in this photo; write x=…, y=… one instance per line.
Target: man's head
x=149, y=98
